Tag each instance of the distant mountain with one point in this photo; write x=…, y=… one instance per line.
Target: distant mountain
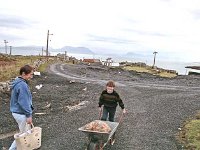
x=23, y=50
x=35, y=50
x=133, y=54
x=80, y=50
x=29, y=48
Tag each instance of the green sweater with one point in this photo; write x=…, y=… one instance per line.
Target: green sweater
x=110, y=99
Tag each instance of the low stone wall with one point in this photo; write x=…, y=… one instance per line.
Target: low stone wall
x=5, y=86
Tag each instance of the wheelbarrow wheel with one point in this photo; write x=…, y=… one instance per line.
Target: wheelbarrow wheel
x=93, y=146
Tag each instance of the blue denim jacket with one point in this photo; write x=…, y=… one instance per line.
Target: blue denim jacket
x=21, y=97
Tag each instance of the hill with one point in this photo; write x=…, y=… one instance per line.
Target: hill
x=80, y=50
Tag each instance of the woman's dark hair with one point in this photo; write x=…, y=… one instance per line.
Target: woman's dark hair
x=25, y=69
x=110, y=84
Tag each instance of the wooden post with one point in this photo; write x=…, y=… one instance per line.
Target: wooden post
x=47, y=45
x=154, y=60
x=10, y=50
x=47, y=48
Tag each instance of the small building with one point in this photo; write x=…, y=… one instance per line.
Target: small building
x=108, y=62
x=62, y=57
x=91, y=61
x=192, y=70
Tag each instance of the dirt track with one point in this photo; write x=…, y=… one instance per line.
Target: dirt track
x=156, y=107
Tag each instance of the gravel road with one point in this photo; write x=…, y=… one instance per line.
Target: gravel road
x=156, y=107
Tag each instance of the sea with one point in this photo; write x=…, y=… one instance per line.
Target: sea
x=177, y=65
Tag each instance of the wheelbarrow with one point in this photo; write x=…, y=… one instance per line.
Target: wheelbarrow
x=98, y=140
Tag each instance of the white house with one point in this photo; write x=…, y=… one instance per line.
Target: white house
x=192, y=70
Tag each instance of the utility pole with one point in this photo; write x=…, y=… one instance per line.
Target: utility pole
x=10, y=50
x=5, y=46
x=65, y=55
x=42, y=51
x=47, y=48
x=154, y=60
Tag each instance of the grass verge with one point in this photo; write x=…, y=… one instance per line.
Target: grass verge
x=11, y=69
x=189, y=135
x=44, y=66
x=150, y=70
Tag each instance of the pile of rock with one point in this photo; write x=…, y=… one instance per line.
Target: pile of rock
x=5, y=86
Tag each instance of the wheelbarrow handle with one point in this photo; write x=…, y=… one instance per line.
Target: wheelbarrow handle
x=100, y=112
x=120, y=118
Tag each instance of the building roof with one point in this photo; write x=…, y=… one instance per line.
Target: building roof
x=91, y=60
x=193, y=67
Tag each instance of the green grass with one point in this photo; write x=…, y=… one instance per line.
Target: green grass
x=150, y=70
x=43, y=67
x=189, y=135
x=16, y=62
x=166, y=74
x=11, y=70
x=137, y=68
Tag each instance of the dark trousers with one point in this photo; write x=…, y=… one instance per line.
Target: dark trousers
x=108, y=111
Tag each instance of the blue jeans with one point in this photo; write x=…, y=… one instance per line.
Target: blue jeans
x=23, y=127
x=108, y=111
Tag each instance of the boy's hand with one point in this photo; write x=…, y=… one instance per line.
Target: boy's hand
x=29, y=120
x=124, y=111
x=100, y=108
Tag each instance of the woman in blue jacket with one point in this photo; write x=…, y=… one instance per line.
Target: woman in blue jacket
x=21, y=101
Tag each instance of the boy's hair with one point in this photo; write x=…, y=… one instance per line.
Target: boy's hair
x=25, y=69
x=110, y=84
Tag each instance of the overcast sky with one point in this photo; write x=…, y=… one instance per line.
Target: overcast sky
x=170, y=27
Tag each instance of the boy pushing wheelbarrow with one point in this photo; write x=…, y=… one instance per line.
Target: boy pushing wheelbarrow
x=109, y=99
x=100, y=132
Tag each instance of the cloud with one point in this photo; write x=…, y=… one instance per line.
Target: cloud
x=10, y=21
x=15, y=29
x=10, y=37
x=10, y=27
x=196, y=14
x=107, y=26
x=150, y=33
x=166, y=0
x=110, y=39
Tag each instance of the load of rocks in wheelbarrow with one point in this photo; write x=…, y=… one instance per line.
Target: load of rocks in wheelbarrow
x=98, y=125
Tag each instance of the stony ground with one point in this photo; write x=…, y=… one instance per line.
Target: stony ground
x=156, y=107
